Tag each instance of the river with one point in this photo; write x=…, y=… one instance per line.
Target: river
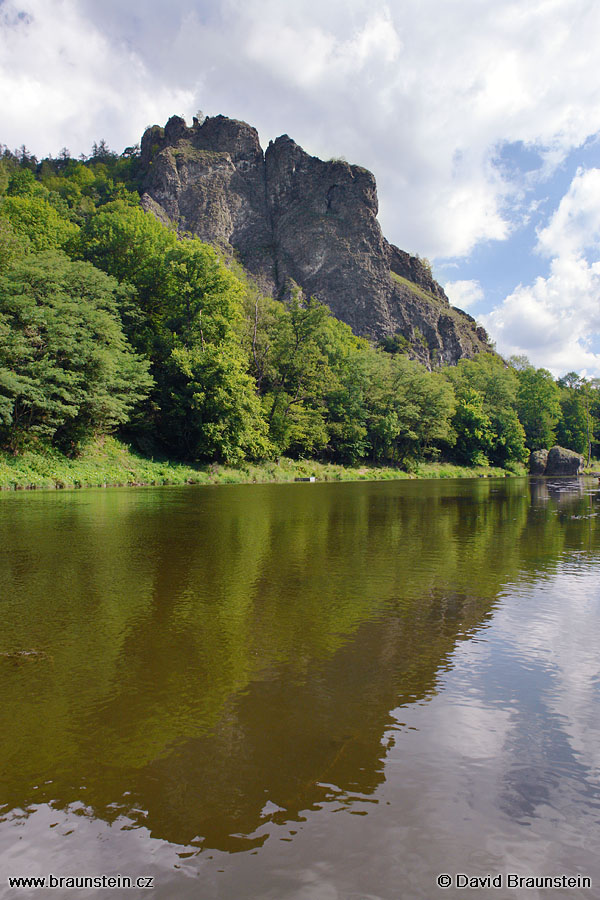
x=302, y=692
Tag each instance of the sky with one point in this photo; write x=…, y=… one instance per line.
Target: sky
x=479, y=118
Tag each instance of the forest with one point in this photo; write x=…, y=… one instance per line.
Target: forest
x=111, y=322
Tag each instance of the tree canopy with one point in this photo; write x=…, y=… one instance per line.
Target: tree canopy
x=110, y=319
x=66, y=371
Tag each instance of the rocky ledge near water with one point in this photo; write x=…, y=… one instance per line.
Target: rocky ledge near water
x=293, y=219
x=554, y=462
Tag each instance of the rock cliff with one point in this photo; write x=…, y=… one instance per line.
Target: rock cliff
x=292, y=219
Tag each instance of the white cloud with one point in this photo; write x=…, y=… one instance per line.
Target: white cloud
x=426, y=100
x=575, y=226
x=464, y=293
x=62, y=82
x=422, y=94
x=554, y=320
x=425, y=95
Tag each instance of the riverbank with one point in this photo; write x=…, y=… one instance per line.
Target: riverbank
x=108, y=462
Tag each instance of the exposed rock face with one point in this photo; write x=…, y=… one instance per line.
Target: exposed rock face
x=293, y=218
x=557, y=461
x=563, y=462
x=537, y=462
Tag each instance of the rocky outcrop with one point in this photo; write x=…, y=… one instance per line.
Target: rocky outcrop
x=557, y=461
x=537, y=462
x=293, y=219
x=563, y=462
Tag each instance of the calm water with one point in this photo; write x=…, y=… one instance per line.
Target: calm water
x=301, y=692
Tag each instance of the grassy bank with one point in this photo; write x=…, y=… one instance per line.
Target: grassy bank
x=593, y=468
x=108, y=462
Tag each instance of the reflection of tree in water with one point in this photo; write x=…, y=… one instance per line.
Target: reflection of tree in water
x=299, y=740
x=217, y=650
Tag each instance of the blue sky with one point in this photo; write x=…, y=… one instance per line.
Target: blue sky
x=480, y=120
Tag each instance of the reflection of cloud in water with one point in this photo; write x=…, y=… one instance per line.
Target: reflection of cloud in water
x=563, y=637
x=54, y=834
x=524, y=750
x=471, y=730
x=509, y=746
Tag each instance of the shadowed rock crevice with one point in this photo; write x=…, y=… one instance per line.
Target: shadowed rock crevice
x=290, y=217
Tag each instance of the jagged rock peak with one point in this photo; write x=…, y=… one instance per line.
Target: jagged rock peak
x=291, y=217
x=216, y=133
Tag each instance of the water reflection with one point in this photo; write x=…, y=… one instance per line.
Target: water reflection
x=222, y=664
x=562, y=490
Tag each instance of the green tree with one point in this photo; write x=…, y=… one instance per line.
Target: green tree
x=202, y=300
x=410, y=409
x=572, y=427
x=497, y=385
x=474, y=433
x=188, y=323
x=132, y=246
x=6, y=166
x=23, y=183
x=66, y=371
x=12, y=245
x=538, y=406
x=35, y=220
x=346, y=396
x=593, y=417
x=213, y=411
x=297, y=376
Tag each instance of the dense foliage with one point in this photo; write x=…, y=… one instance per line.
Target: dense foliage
x=66, y=370
x=110, y=320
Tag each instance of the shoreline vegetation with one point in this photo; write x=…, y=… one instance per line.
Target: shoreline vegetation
x=108, y=462
x=113, y=323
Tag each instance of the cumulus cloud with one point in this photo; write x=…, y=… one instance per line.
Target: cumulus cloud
x=575, y=226
x=464, y=293
x=555, y=319
x=442, y=101
x=63, y=83
x=422, y=95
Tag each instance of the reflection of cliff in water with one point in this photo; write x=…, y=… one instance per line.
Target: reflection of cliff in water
x=220, y=654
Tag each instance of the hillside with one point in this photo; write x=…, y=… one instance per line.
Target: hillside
x=293, y=219
x=114, y=322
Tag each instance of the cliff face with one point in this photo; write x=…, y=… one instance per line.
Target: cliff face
x=291, y=217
